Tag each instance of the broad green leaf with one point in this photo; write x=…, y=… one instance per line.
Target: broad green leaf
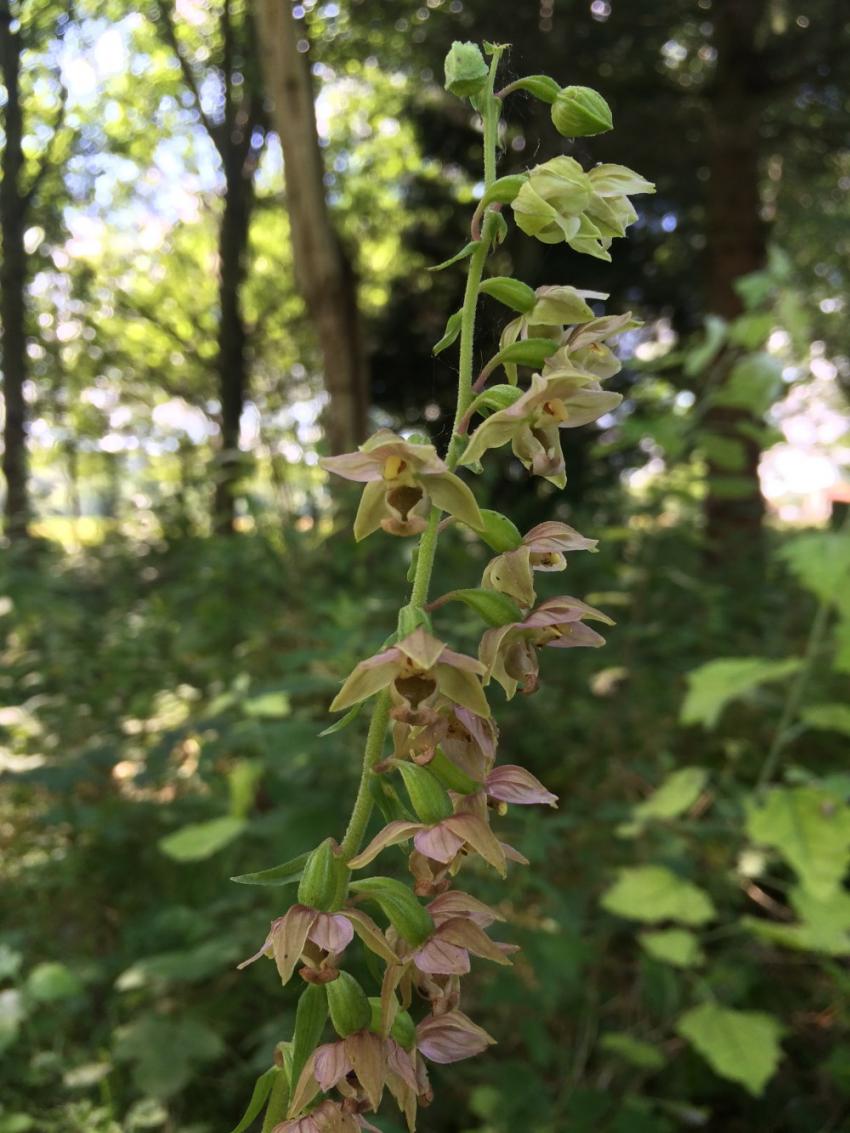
x=810, y=829
x=742, y=1046
x=52, y=981
x=511, y=292
x=674, y=946
x=201, y=840
x=262, y=1089
x=638, y=1053
x=714, y=685
x=824, y=924
x=829, y=717
x=652, y=893
x=286, y=874
x=678, y=793
x=526, y=352
x=820, y=562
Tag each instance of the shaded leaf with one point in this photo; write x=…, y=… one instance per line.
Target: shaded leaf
x=742, y=1046
x=810, y=829
x=653, y=893
x=200, y=840
x=714, y=685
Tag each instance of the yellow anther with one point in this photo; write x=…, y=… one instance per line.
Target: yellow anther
x=555, y=408
x=393, y=467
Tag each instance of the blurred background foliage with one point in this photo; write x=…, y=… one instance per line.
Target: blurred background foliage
x=179, y=600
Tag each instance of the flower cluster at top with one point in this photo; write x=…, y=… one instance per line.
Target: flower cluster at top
x=439, y=780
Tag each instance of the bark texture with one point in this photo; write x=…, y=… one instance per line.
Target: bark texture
x=323, y=271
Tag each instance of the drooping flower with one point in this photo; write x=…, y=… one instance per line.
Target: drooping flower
x=327, y=1117
x=509, y=652
x=451, y=1038
x=441, y=841
x=403, y=481
x=459, y=921
x=421, y=672
x=554, y=309
x=291, y=935
x=585, y=347
x=562, y=400
x=542, y=548
x=509, y=783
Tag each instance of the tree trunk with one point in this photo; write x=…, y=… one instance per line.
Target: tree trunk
x=734, y=507
x=13, y=286
x=323, y=271
x=232, y=362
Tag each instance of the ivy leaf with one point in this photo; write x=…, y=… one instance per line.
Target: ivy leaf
x=286, y=874
x=674, y=946
x=714, y=685
x=742, y=1046
x=652, y=893
x=810, y=829
x=451, y=332
x=200, y=840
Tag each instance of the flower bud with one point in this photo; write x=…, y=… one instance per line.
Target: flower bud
x=427, y=795
x=403, y=1029
x=411, y=920
x=348, y=1006
x=324, y=880
x=466, y=70
x=580, y=112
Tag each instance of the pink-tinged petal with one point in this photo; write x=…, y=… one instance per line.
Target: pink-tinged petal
x=306, y=1124
x=371, y=510
x=366, y=1054
x=305, y=1090
x=331, y=1064
x=364, y=681
x=454, y=903
x=462, y=688
x=574, y=636
x=513, y=855
x=465, y=934
x=421, y=648
x=461, y=661
x=332, y=932
x=451, y=1038
x=477, y=834
x=401, y=1063
x=266, y=948
x=392, y=834
x=482, y=730
x=512, y=784
x=359, y=466
x=289, y=939
x=370, y=934
x=556, y=537
x=511, y=574
x=438, y=842
x=441, y=958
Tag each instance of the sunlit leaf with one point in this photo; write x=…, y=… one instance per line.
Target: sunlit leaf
x=652, y=893
x=714, y=685
x=742, y=1046
x=201, y=840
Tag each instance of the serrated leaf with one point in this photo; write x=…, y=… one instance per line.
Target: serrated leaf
x=742, y=1046
x=285, y=874
x=674, y=946
x=510, y=292
x=714, y=685
x=463, y=254
x=652, y=893
x=200, y=840
x=638, y=1053
x=496, y=609
x=810, y=830
x=453, y=325
x=343, y=722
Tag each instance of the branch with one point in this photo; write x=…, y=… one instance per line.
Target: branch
x=167, y=17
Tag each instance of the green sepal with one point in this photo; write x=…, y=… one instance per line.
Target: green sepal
x=343, y=722
x=541, y=86
x=310, y=1018
x=503, y=189
x=403, y=1029
x=427, y=795
x=397, y=902
x=411, y=618
x=526, y=352
x=286, y=874
x=511, y=292
x=262, y=1089
x=450, y=775
x=495, y=608
x=324, y=880
x=463, y=254
x=500, y=228
x=450, y=334
x=499, y=532
x=347, y=1004
x=387, y=800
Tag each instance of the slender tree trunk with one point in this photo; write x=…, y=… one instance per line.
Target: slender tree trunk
x=232, y=363
x=323, y=271
x=734, y=507
x=13, y=286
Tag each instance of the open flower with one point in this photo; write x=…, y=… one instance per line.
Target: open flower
x=360, y=1066
x=327, y=1117
x=509, y=652
x=562, y=400
x=403, y=480
x=420, y=672
x=542, y=548
x=459, y=921
x=451, y=1037
x=554, y=309
x=585, y=347
x=441, y=841
x=291, y=935
x=509, y=783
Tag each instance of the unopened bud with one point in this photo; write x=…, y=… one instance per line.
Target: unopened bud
x=403, y=1029
x=348, y=1006
x=427, y=795
x=466, y=70
x=323, y=882
x=580, y=112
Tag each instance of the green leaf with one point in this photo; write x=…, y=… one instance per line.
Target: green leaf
x=495, y=398
x=511, y=292
x=286, y=874
x=165, y=1051
x=463, y=254
x=12, y=1014
x=674, y=946
x=742, y=1046
x=499, y=533
x=824, y=924
x=714, y=685
x=525, y=352
x=820, y=562
x=701, y=356
x=310, y=1018
x=262, y=1089
x=494, y=608
x=541, y=86
x=503, y=189
x=810, y=829
x=640, y=1054
x=828, y=717
x=753, y=384
x=678, y=793
x=50, y=982
x=652, y=893
x=273, y=705
x=453, y=325
x=343, y=722
x=200, y=840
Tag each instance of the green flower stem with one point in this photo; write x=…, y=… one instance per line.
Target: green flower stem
x=427, y=547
